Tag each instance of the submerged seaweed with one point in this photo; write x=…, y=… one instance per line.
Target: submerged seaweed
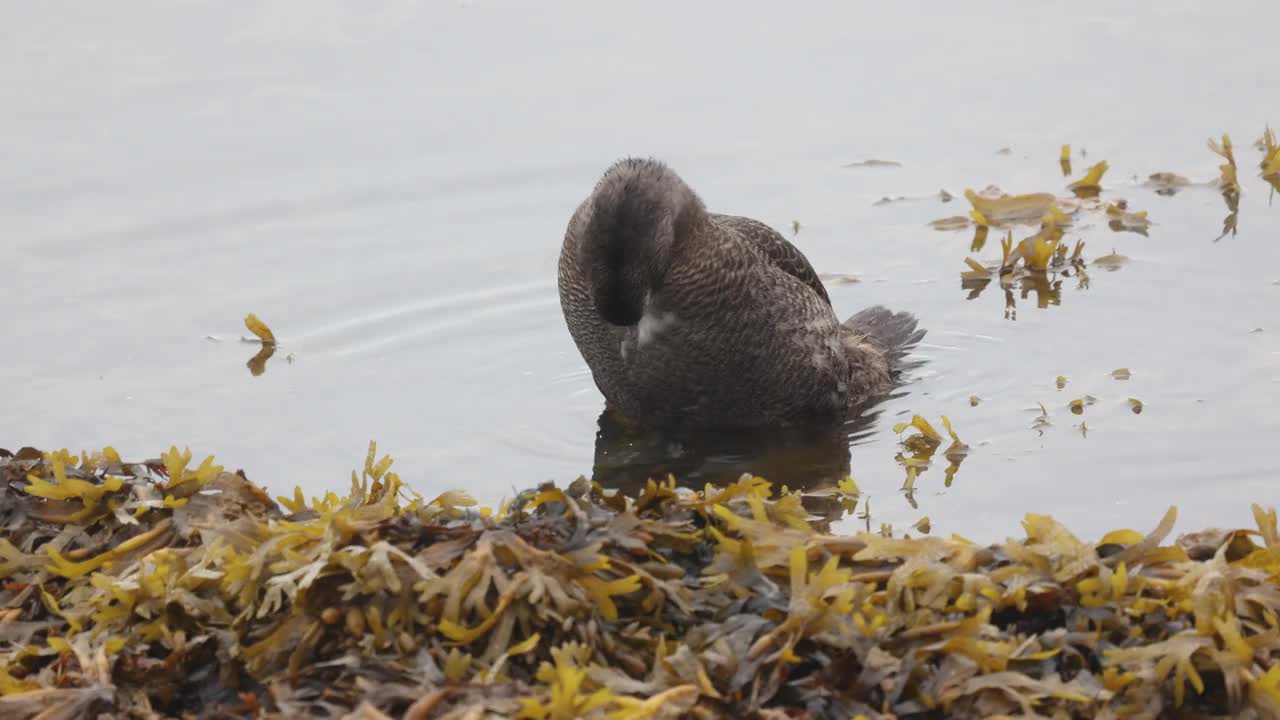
x=153, y=589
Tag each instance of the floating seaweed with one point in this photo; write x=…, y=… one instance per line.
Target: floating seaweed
x=954, y=222
x=1121, y=219
x=1042, y=421
x=1039, y=263
x=1036, y=264
x=918, y=450
x=874, y=163
x=1111, y=262
x=1270, y=163
x=976, y=272
x=887, y=200
x=259, y=329
x=158, y=590
x=1078, y=405
x=1166, y=183
x=1090, y=185
x=993, y=207
x=1228, y=184
x=258, y=363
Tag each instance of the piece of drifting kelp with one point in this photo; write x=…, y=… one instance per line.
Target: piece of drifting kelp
x=1228, y=185
x=1270, y=163
x=1111, y=262
x=1166, y=183
x=157, y=590
x=993, y=208
x=874, y=163
x=1090, y=185
x=1228, y=180
x=258, y=363
x=918, y=450
x=1121, y=219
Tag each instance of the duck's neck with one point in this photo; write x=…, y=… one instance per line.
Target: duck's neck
x=642, y=213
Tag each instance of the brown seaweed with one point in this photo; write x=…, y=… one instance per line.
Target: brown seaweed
x=157, y=589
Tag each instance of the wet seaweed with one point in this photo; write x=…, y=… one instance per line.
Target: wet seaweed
x=159, y=589
x=1121, y=219
x=1228, y=185
x=1090, y=186
x=1166, y=183
x=264, y=337
x=1270, y=164
x=917, y=451
x=1037, y=263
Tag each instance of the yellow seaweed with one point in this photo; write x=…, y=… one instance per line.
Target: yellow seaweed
x=60, y=565
x=1121, y=219
x=1038, y=251
x=1090, y=185
x=1009, y=209
x=1270, y=163
x=259, y=329
x=920, y=424
x=1228, y=182
x=976, y=271
x=666, y=600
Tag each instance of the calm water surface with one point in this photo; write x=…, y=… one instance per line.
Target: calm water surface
x=387, y=185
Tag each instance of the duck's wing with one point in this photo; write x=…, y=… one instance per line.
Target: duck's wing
x=785, y=256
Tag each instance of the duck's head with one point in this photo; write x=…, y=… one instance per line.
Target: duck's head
x=640, y=211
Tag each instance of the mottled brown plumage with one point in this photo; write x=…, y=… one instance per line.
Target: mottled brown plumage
x=689, y=318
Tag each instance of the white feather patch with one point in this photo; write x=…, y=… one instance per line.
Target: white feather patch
x=651, y=325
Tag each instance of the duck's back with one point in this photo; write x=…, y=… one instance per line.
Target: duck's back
x=778, y=250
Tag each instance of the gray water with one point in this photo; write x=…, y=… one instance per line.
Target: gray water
x=387, y=185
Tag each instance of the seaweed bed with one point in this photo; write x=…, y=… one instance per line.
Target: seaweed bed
x=158, y=590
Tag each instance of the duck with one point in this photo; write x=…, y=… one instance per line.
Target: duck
x=692, y=319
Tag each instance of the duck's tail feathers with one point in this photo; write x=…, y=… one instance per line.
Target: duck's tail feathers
x=893, y=333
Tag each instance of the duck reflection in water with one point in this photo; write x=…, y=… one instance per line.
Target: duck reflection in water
x=627, y=456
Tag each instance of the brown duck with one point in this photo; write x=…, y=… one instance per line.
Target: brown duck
x=695, y=319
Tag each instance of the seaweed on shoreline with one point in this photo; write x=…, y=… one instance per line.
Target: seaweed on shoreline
x=154, y=589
